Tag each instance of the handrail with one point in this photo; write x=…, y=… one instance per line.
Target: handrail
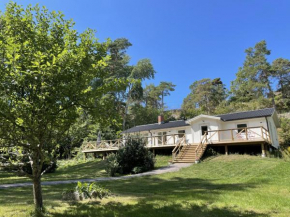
x=177, y=148
x=204, y=140
x=237, y=129
x=248, y=133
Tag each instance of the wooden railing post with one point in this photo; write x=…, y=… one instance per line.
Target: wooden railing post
x=246, y=131
x=219, y=135
x=262, y=133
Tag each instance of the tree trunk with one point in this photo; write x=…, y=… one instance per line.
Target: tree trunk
x=36, y=162
x=271, y=94
x=126, y=108
x=162, y=98
x=37, y=193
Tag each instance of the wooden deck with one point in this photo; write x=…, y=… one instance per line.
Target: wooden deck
x=189, y=152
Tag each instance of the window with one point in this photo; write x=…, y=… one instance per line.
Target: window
x=181, y=133
x=241, y=127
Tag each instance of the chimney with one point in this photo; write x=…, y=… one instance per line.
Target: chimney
x=160, y=119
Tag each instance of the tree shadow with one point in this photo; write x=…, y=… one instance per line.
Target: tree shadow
x=160, y=197
x=174, y=196
x=148, y=209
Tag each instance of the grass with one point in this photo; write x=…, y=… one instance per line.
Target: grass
x=71, y=169
x=223, y=186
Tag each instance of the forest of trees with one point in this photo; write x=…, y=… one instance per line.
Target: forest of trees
x=60, y=87
x=258, y=84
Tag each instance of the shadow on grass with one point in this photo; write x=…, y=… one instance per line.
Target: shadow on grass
x=153, y=210
x=151, y=197
x=90, y=169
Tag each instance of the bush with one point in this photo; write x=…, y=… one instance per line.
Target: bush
x=112, y=165
x=285, y=131
x=133, y=158
x=85, y=191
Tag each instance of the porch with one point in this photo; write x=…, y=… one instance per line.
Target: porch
x=237, y=136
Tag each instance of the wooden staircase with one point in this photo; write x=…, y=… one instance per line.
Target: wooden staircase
x=188, y=153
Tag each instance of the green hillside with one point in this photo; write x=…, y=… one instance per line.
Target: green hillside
x=232, y=185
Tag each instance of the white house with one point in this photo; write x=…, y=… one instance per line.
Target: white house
x=190, y=138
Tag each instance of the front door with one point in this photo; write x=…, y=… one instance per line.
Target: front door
x=204, y=130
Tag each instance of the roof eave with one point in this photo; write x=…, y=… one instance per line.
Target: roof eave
x=202, y=116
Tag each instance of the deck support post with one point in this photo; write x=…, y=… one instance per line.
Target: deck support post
x=263, y=150
x=153, y=152
x=85, y=156
x=104, y=156
x=226, y=150
x=95, y=155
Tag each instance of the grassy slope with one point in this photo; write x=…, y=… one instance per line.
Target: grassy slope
x=70, y=169
x=224, y=186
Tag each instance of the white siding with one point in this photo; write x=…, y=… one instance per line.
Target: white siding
x=170, y=131
x=193, y=132
x=273, y=132
x=196, y=128
x=252, y=132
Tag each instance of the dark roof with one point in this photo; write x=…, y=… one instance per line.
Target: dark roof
x=170, y=124
x=248, y=114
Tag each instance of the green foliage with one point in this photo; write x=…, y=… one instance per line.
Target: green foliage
x=49, y=74
x=285, y=131
x=140, y=115
x=240, y=185
x=133, y=158
x=47, y=166
x=112, y=164
x=205, y=96
x=253, y=79
x=281, y=71
x=86, y=191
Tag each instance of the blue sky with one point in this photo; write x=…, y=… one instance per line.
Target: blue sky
x=186, y=40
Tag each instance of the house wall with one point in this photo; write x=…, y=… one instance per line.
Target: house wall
x=273, y=132
x=253, y=133
x=193, y=132
x=152, y=136
x=170, y=131
x=196, y=128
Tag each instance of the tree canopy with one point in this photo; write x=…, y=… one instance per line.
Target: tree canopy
x=47, y=71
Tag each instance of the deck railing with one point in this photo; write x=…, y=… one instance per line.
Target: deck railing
x=239, y=135
x=150, y=141
x=210, y=137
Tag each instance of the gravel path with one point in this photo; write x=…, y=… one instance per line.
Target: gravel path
x=168, y=169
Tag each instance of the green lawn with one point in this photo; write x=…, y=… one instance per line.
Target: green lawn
x=223, y=186
x=70, y=169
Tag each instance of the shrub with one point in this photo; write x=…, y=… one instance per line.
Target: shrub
x=85, y=191
x=285, y=131
x=111, y=164
x=133, y=158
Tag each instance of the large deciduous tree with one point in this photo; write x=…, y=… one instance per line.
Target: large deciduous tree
x=46, y=74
